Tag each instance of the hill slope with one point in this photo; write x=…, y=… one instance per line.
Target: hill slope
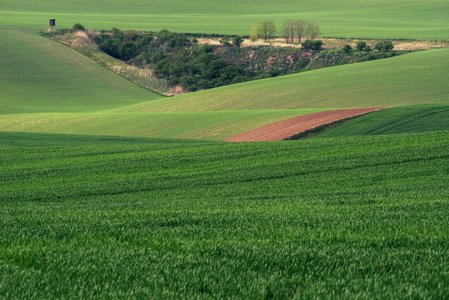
x=258, y=220
x=39, y=75
x=415, y=78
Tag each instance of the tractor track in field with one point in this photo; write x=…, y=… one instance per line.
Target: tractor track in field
x=284, y=129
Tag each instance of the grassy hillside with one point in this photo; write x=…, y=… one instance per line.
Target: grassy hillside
x=101, y=215
x=421, y=19
x=415, y=78
x=171, y=219
x=194, y=125
x=39, y=75
x=395, y=120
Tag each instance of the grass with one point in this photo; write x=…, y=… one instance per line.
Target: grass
x=411, y=79
x=357, y=19
x=38, y=75
x=84, y=216
x=194, y=125
x=396, y=120
x=77, y=87
x=180, y=219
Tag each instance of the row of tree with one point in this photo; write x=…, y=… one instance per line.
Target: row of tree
x=299, y=29
x=292, y=30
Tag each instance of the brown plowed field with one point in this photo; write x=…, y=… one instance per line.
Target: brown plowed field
x=284, y=129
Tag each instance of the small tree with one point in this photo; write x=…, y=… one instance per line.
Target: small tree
x=313, y=31
x=253, y=36
x=347, y=48
x=237, y=40
x=361, y=46
x=299, y=27
x=384, y=46
x=287, y=28
x=267, y=30
x=78, y=27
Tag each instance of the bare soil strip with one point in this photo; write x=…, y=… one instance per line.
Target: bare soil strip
x=286, y=128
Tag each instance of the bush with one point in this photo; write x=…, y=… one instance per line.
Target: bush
x=312, y=45
x=384, y=46
x=347, y=48
x=78, y=27
x=127, y=50
x=361, y=46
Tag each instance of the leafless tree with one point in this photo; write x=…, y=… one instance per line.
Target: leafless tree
x=313, y=31
x=299, y=27
x=267, y=30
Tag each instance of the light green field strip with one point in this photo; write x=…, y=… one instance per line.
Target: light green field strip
x=426, y=19
x=39, y=75
x=191, y=125
x=415, y=78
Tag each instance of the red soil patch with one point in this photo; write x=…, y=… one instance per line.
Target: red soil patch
x=286, y=128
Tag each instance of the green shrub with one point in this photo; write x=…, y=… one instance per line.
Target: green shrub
x=361, y=46
x=78, y=27
x=312, y=45
x=384, y=46
x=347, y=48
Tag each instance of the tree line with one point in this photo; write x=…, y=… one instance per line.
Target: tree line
x=292, y=30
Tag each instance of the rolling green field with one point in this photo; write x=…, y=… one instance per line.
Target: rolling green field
x=108, y=190
x=411, y=79
x=38, y=75
x=75, y=102
x=217, y=125
x=421, y=19
x=393, y=121
x=107, y=217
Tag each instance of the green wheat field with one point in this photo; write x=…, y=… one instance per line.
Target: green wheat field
x=111, y=191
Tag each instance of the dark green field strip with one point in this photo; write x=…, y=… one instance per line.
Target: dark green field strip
x=124, y=169
x=393, y=121
x=349, y=217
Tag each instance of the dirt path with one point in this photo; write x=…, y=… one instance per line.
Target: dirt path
x=286, y=128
